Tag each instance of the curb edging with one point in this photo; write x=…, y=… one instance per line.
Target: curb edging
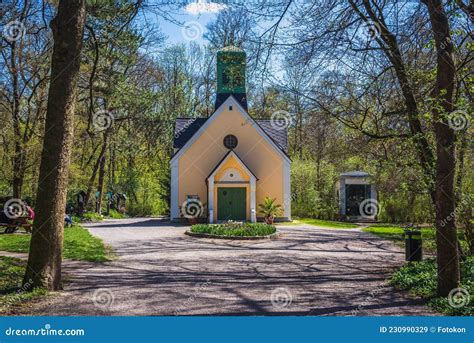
x=238, y=238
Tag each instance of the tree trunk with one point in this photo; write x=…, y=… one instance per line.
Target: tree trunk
x=17, y=181
x=112, y=165
x=18, y=170
x=100, y=184
x=446, y=238
x=44, y=260
x=91, y=182
x=318, y=174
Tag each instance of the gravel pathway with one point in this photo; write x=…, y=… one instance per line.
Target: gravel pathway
x=161, y=271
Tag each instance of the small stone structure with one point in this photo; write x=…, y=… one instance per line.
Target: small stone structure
x=357, y=197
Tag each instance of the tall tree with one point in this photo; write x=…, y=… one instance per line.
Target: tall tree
x=45, y=257
x=231, y=27
x=446, y=237
x=383, y=79
x=24, y=65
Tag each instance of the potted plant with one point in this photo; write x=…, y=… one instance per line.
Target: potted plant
x=270, y=209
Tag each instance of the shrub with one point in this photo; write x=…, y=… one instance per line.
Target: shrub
x=235, y=229
x=420, y=278
x=140, y=209
x=116, y=214
x=92, y=216
x=313, y=192
x=270, y=209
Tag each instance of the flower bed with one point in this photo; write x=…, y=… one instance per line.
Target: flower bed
x=234, y=229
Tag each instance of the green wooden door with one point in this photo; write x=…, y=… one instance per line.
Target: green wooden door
x=231, y=204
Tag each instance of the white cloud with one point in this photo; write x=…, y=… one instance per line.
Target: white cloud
x=204, y=6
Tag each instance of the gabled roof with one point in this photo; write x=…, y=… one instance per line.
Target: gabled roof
x=225, y=158
x=230, y=101
x=185, y=128
x=240, y=97
x=355, y=173
x=277, y=134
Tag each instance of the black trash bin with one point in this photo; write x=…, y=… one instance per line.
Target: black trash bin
x=413, y=246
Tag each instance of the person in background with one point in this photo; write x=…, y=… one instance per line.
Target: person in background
x=31, y=213
x=68, y=220
x=28, y=210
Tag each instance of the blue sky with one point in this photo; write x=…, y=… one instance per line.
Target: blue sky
x=195, y=17
x=174, y=31
x=181, y=20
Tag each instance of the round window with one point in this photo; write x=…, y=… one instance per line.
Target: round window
x=230, y=142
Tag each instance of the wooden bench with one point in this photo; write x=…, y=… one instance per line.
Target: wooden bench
x=17, y=223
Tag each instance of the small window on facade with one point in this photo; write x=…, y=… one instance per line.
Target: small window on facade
x=230, y=142
x=230, y=108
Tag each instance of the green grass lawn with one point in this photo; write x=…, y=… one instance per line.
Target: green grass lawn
x=11, y=291
x=395, y=234
x=235, y=229
x=79, y=244
x=322, y=223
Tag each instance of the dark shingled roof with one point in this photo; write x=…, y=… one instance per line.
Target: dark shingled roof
x=278, y=134
x=355, y=173
x=185, y=128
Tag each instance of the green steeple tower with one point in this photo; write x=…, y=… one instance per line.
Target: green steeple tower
x=231, y=64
